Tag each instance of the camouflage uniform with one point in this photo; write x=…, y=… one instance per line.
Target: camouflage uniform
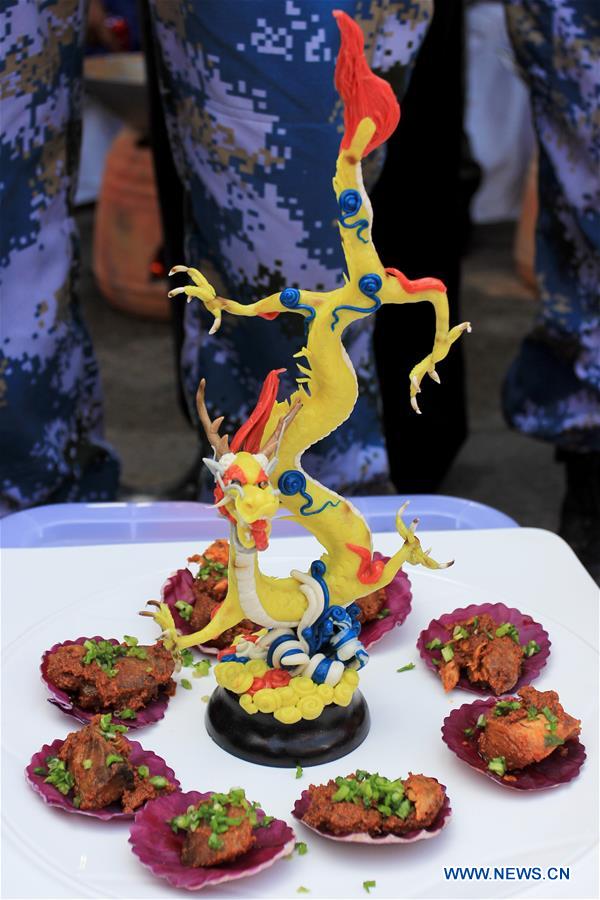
x=255, y=125
x=553, y=387
x=50, y=403
x=256, y=159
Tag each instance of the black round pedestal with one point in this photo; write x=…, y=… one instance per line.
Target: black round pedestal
x=261, y=739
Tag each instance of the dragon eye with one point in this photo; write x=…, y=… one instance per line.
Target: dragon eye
x=235, y=481
x=263, y=484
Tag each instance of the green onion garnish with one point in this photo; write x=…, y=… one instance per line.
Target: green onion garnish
x=158, y=781
x=508, y=629
x=434, y=644
x=407, y=667
x=299, y=771
x=301, y=847
x=186, y=684
x=497, y=765
x=383, y=614
x=481, y=721
x=87, y=764
x=143, y=771
x=532, y=712
x=368, y=885
x=126, y=713
x=531, y=648
x=184, y=609
x=202, y=668
x=113, y=758
x=447, y=653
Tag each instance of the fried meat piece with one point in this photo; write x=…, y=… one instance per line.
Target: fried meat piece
x=371, y=605
x=346, y=817
x=210, y=590
x=85, y=754
x=137, y=682
x=521, y=737
x=101, y=780
x=338, y=818
x=237, y=840
x=486, y=658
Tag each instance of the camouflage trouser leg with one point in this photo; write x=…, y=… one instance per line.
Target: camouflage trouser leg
x=255, y=124
x=50, y=404
x=552, y=390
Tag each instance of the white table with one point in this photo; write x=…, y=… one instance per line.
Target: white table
x=51, y=595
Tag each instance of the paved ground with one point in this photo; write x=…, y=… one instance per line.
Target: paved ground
x=496, y=466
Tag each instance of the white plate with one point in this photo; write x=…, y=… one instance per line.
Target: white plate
x=61, y=593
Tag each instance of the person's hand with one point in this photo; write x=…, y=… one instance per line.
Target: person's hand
x=98, y=34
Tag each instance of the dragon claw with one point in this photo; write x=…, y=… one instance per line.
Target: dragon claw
x=415, y=405
x=164, y=619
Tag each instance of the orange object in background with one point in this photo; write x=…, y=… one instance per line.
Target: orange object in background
x=128, y=232
x=524, y=246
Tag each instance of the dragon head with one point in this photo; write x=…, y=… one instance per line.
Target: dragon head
x=243, y=490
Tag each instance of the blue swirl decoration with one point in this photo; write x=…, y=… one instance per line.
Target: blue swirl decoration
x=290, y=298
x=369, y=285
x=350, y=203
x=293, y=482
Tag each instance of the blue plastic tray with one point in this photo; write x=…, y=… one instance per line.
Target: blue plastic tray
x=76, y=524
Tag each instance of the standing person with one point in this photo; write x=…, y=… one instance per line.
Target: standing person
x=50, y=402
x=552, y=390
x=254, y=123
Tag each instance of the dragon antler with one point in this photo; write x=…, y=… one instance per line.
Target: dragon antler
x=219, y=443
x=272, y=445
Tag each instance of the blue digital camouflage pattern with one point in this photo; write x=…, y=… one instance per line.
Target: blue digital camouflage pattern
x=50, y=404
x=255, y=125
x=553, y=387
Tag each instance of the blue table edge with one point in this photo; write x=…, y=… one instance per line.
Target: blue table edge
x=79, y=524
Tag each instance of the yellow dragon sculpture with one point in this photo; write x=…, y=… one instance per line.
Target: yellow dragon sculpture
x=251, y=484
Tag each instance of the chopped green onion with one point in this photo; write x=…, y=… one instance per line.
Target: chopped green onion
x=447, y=653
x=130, y=641
x=301, y=847
x=186, y=684
x=434, y=644
x=59, y=775
x=77, y=802
x=469, y=732
x=368, y=885
x=87, y=764
x=184, y=609
x=460, y=632
x=531, y=648
x=383, y=614
x=407, y=667
x=508, y=630
x=481, y=721
x=40, y=770
x=302, y=890
x=299, y=771
x=158, y=781
x=202, y=668
x=552, y=719
x=214, y=842
x=113, y=758
x=143, y=771
x=503, y=707
x=532, y=712
x=497, y=765
x=187, y=657
x=126, y=713
x=205, y=698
